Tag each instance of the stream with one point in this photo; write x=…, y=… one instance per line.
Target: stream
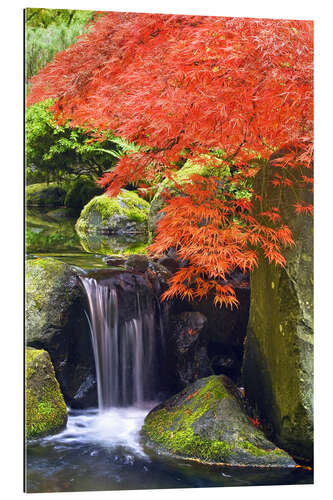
x=100, y=449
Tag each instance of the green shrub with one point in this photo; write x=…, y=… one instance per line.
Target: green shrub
x=49, y=31
x=54, y=151
x=81, y=191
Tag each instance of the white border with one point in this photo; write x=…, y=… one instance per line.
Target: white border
x=12, y=220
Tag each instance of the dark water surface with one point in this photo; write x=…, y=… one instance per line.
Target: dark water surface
x=103, y=452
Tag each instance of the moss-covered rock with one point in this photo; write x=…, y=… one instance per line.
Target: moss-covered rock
x=44, y=194
x=206, y=422
x=81, y=192
x=46, y=411
x=183, y=175
x=279, y=343
x=51, y=288
x=124, y=214
x=56, y=322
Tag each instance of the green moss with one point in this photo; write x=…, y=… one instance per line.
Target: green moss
x=280, y=329
x=46, y=411
x=50, y=291
x=206, y=422
x=45, y=194
x=103, y=212
x=172, y=428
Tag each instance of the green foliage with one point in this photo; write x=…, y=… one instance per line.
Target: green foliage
x=49, y=31
x=53, y=150
x=80, y=192
x=43, y=18
x=62, y=237
x=48, y=234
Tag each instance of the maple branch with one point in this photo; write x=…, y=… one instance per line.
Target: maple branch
x=170, y=145
x=231, y=157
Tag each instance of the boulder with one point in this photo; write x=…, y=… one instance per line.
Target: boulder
x=159, y=277
x=56, y=322
x=137, y=263
x=187, y=355
x=278, y=361
x=115, y=260
x=125, y=214
x=170, y=263
x=45, y=194
x=226, y=328
x=46, y=411
x=206, y=422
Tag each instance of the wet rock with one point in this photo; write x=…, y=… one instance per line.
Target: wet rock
x=188, y=327
x=170, y=263
x=86, y=392
x=56, y=322
x=226, y=329
x=279, y=343
x=115, y=261
x=224, y=364
x=158, y=276
x=133, y=290
x=137, y=263
x=188, y=357
x=207, y=422
x=46, y=411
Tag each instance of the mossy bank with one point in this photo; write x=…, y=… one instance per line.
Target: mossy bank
x=206, y=422
x=46, y=411
x=44, y=194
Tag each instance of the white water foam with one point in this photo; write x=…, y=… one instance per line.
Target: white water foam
x=112, y=428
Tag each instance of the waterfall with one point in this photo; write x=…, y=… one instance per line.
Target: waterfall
x=127, y=352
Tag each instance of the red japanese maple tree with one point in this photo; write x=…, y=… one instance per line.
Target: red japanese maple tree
x=191, y=86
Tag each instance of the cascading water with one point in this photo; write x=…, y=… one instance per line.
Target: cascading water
x=126, y=351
